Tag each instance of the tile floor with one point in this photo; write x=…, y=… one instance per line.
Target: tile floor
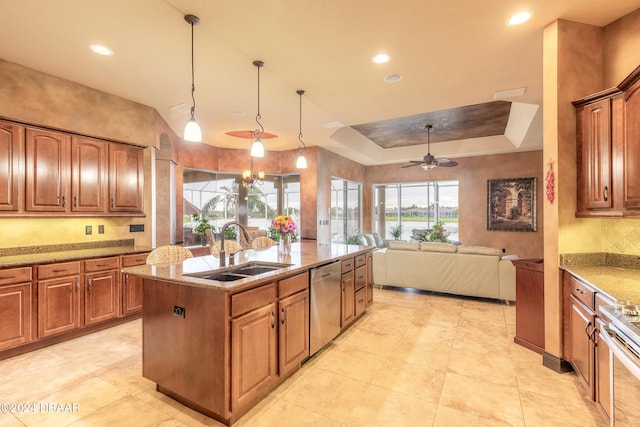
x=412, y=360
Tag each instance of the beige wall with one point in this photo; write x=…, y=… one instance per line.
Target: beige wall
x=472, y=174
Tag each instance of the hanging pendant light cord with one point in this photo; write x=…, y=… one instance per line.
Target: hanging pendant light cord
x=259, y=132
x=301, y=92
x=193, y=85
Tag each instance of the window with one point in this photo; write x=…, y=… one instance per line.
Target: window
x=346, y=215
x=216, y=196
x=416, y=205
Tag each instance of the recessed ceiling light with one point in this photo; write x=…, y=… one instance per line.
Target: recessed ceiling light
x=381, y=58
x=519, y=18
x=238, y=113
x=101, y=50
x=393, y=78
x=332, y=125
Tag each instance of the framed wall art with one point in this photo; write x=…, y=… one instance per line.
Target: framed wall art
x=511, y=204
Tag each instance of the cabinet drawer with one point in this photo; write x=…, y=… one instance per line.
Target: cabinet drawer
x=347, y=264
x=582, y=292
x=58, y=270
x=101, y=264
x=135, y=259
x=361, y=302
x=293, y=284
x=361, y=260
x=246, y=301
x=15, y=275
x=361, y=277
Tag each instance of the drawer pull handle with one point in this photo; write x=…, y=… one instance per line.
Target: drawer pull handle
x=273, y=319
x=8, y=277
x=64, y=202
x=75, y=201
x=284, y=315
x=580, y=291
x=60, y=270
x=102, y=265
x=113, y=203
x=90, y=282
x=605, y=193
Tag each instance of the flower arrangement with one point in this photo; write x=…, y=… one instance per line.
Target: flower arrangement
x=438, y=233
x=284, y=224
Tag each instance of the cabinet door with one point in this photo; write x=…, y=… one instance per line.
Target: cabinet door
x=348, y=298
x=88, y=175
x=131, y=286
x=294, y=331
x=15, y=315
x=582, y=326
x=47, y=171
x=58, y=305
x=126, y=178
x=631, y=148
x=603, y=384
x=100, y=296
x=369, y=285
x=253, y=355
x=360, y=277
x=594, y=156
x=11, y=148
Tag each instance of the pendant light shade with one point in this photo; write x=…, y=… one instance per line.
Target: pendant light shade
x=257, y=147
x=301, y=162
x=192, y=132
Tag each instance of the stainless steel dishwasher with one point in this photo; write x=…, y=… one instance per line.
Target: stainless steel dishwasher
x=326, y=293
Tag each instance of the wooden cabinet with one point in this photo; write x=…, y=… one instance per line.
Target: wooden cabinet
x=582, y=321
x=88, y=175
x=594, y=155
x=530, y=304
x=603, y=392
x=11, y=166
x=293, y=334
x=254, y=353
x=608, y=151
x=47, y=171
x=15, y=307
x=126, y=178
x=131, y=286
x=348, y=298
x=61, y=174
x=58, y=298
x=101, y=290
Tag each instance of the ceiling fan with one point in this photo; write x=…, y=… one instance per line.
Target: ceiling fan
x=429, y=162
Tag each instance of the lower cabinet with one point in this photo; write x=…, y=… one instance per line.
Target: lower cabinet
x=293, y=334
x=15, y=307
x=348, y=298
x=101, y=300
x=369, y=283
x=582, y=321
x=131, y=286
x=254, y=355
x=603, y=370
x=58, y=298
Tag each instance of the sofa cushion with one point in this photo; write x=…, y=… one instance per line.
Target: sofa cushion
x=479, y=250
x=370, y=240
x=378, y=239
x=437, y=247
x=362, y=240
x=404, y=246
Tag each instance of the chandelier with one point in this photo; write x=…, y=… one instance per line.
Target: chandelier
x=251, y=178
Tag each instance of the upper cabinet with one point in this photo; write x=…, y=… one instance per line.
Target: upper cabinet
x=608, y=151
x=11, y=166
x=67, y=174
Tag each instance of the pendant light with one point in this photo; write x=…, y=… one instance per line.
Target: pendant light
x=192, y=130
x=301, y=162
x=257, y=148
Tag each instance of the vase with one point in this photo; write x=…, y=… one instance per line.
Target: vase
x=285, y=244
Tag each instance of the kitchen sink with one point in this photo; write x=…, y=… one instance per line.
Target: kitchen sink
x=241, y=271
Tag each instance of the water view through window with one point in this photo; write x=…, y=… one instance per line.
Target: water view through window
x=415, y=206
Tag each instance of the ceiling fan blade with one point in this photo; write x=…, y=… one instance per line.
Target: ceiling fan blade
x=446, y=163
x=413, y=163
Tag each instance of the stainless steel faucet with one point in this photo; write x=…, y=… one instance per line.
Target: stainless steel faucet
x=223, y=261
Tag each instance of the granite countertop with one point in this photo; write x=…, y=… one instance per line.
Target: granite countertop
x=616, y=275
x=304, y=255
x=26, y=256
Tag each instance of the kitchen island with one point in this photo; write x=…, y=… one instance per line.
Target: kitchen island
x=220, y=346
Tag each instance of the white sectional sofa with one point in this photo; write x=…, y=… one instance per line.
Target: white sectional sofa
x=440, y=267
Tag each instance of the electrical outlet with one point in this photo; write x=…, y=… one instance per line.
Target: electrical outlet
x=88, y=229
x=101, y=229
x=178, y=311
